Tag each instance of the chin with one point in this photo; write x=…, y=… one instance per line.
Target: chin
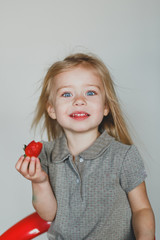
x=83, y=130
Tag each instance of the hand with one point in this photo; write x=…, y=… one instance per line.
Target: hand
x=30, y=168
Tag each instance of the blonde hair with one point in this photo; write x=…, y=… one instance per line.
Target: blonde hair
x=114, y=122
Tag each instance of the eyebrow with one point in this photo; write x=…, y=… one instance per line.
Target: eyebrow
x=70, y=86
x=67, y=86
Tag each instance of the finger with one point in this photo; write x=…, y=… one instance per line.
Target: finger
x=19, y=163
x=32, y=168
x=39, y=171
x=24, y=166
x=38, y=166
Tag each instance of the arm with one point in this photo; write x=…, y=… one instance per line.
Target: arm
x=143, y=218
x=43, y=200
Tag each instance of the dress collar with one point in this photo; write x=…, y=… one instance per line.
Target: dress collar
x=61, y=152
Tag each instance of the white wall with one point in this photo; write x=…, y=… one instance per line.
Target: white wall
x=125, y=34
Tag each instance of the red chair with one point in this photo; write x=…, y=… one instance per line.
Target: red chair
x=28, y=228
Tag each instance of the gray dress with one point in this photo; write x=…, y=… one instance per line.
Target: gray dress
x=91, y=191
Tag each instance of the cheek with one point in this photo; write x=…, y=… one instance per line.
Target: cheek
x=60, y=110
x=98, y=113
x=98, y=105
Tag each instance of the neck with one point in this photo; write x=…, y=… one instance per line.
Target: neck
x=78, y=142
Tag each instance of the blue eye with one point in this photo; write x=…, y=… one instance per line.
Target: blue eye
x=91, y=93
x=67, y=94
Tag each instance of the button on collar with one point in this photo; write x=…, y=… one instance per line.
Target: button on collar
x=81, y=159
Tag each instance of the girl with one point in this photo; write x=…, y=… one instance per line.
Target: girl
x=89, y=181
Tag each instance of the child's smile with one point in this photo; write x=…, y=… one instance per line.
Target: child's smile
x=78, y=100
x=79, y=115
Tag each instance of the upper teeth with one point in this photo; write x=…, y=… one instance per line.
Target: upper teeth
x=79, y=114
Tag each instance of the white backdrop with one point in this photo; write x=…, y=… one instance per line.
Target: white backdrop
x=35, y=33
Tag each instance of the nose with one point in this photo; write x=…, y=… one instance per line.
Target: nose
x=79, y=100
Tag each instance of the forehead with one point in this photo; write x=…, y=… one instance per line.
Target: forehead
x=79, y=75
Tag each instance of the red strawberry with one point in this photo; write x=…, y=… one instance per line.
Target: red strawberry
x=33, y=149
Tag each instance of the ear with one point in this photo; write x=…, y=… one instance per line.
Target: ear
x=51, y=111
x=106, y=110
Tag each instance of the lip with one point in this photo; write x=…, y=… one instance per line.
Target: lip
x=79, y=115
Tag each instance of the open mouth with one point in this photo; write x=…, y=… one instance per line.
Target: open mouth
x=79, y=115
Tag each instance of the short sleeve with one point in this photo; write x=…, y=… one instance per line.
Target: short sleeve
x=43, y=157
x=133, y=171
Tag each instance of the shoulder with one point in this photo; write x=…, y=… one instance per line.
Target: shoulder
x=120, y=149
x=55, y=150
x=129, y=164
x=124, y=154
x=47, y=146
x=47, y=149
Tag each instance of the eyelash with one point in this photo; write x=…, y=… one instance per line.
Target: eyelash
x=94, y=93
x=63, y=95
x=68, y=93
